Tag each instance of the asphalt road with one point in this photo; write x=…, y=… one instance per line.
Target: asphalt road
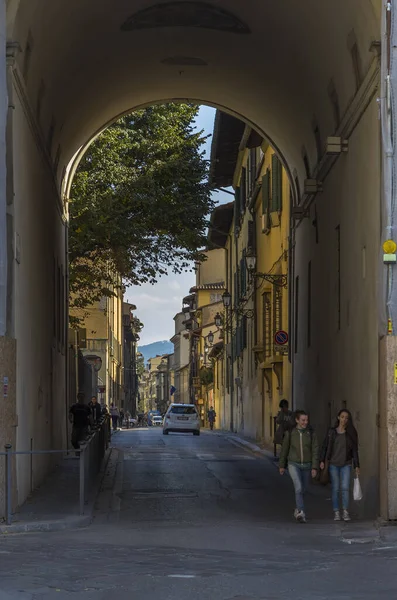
x=188, y=518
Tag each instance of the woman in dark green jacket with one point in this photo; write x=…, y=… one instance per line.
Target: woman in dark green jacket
x=300, y=451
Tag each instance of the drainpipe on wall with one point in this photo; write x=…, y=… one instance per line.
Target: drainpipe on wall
x=230, y=334
x=3, y=169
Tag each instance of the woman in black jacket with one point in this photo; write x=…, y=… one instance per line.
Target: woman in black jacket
x=340, y=451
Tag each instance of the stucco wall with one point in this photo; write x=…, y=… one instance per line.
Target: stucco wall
x=40, y=359
x=340, y=369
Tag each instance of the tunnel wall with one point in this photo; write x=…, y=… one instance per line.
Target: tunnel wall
x=39, y=252
x=340, y=367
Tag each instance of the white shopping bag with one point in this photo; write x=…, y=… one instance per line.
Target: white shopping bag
x=357, y=491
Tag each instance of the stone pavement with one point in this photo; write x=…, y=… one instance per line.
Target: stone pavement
x=184, y=517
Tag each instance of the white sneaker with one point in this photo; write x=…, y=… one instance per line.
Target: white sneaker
x=346, y=516
x=337, y=515
x=301, y=517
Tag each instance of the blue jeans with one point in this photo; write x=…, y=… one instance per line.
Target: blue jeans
x=300, y=478
x=340, y=480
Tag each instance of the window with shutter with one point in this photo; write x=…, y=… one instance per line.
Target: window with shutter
x=243, y=275
x=243, y=187
x=251, y=236
x=252, y=169
x=244, y=328
x=237, y=205
x=266, y=201
x=276, y=204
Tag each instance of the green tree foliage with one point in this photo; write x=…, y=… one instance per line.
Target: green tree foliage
x=140, y=200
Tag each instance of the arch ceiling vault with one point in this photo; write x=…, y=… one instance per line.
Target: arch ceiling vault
x=286, y=67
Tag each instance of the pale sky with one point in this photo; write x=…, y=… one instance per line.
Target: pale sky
x=158, y=304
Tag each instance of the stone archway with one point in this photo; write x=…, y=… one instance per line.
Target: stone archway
x=300, y=73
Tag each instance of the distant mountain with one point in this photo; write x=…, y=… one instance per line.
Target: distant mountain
x=155, y=349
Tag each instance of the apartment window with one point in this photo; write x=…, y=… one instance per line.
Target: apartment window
x=338, y=281
x=243, y=188
x=317, y=137
x=309, y=304
x=266, y=201
x=267, y=323
x=243, y=275
x=277, y=184
x=306, y=163
x=63, y=310
x=27, y=56
x=59, y=307
x=296, y=324
x=252, y=169
x=333, y=96
x=356, y=64
x=54, y=301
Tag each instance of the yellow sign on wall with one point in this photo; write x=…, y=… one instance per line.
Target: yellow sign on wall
x=395, y=373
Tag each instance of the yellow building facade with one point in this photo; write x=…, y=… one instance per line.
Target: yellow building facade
x=103, y=328
x=253, y=373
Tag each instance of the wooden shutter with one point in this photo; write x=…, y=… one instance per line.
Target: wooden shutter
x=265, y=192
x=243, y=275
x=251, y=236
x=243, y=186
x=252, y=169
x=237, y=205
x=276, y=184
x=244, y=332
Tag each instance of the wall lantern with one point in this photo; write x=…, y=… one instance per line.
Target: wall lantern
x=250, y=261
x=218, y=320
x=226, y=299
x=210, y=338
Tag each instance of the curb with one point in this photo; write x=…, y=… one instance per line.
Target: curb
x=235, y=439
x=70, y=522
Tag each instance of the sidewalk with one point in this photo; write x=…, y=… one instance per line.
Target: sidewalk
x=354, y=532
x=54, y=505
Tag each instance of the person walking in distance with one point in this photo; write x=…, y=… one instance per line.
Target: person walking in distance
x=284, y=422
x=115, y=415
x=81, y=418
x=211, y=417
x=121, y=418
x=300, y=451
x=339, y=453
x=96, y=410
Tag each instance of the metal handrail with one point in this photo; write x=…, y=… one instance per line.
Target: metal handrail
x=90, y=462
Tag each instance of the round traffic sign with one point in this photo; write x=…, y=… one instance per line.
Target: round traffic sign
x=281, y=338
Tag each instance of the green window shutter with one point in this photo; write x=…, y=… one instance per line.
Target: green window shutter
x=238, y=339
x=243, y=268
x=243, y=186
x=265, y=192
x=251, y=236
x=276, y=184
x=237, y=205
x=244, y=332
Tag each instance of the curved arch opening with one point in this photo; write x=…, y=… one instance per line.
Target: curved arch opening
x=72, y=166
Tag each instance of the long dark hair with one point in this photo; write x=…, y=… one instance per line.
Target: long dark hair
x=350, y=429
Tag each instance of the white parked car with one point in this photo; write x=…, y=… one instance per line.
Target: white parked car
x=183, y=418
x=157, y=420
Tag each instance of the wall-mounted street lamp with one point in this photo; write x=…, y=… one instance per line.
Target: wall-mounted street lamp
x=210, y=338
x=226, y=299
x=218, y=320
x=274, y=278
